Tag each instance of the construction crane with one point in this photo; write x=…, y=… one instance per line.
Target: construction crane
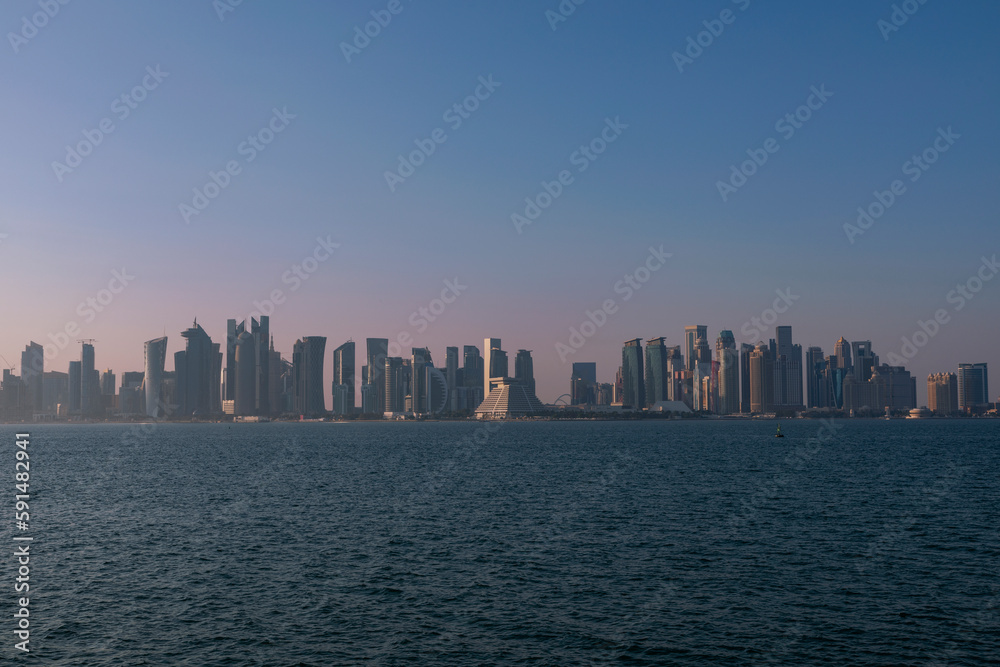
x=9, y=365
x=86, y=340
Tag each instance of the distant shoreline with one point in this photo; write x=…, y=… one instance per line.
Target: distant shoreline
x=481, y=421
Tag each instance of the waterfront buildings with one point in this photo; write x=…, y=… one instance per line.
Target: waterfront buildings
x=787, y=370
x=377, y=349
x=508, y=398
x=691, y=335
x=942, y=393
x=32, y=373
x=655, y=372
x=761, y=364
x=155, y=352
x=307, y=371
x=247, y=376
x=633, y=381
x=494, y=364
x=583, y=383
x=197, y=369
x=343, y=379
x=973, y=387
x=729, y=373
x=524, y=370
x=90, y=387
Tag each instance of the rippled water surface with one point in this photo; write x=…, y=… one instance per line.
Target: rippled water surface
x=651, y=543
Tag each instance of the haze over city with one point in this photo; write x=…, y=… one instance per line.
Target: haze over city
x=363, y=182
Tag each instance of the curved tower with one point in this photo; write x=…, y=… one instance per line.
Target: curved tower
x=156, y=356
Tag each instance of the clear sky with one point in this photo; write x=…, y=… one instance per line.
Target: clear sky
x=208, y=79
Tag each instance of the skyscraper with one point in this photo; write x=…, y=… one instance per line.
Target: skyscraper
x=973, y=386
x=691, y=335
x=395, y=391
x=655, y=372
x=761, y=379
x=108, y=382
x=585, y=370
x=489, y=344
x=307, y=372
x=787, y=369
x=155, y=358
x=256, y=360
x=75, y=386
x=729, y=373
x=244, y=401
x=376, y=352
x=32, y=374
x=633, y=382
x=198, y=368
x=420, y=360
x=524, y=370
x=472, y=374
x=451, y=376
x=89, y=390
x=343, y=376
x=942, y=393
x=817, y=389
x=583, y=383
x=900, y=388
x=702, y=390
x=865, y=360
x=130, y=394
x=276, y=388
x=745, y=351
x=842, y=351
x=494, y=363
x=229, y=377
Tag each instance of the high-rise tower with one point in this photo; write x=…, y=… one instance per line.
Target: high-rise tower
x=343, y=377
x=973, y=386
x=307, y=372
x=729, y=373
x=633, y=381
x=691, y=335
x=524, y=369
x=155, y=358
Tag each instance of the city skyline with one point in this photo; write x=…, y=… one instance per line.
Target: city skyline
x=726, y=382
x=311, y=228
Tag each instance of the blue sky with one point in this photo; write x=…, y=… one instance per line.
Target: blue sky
x=323, y=176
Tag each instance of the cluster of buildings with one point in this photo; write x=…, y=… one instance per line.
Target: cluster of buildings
x=769, y=378
x=249, y=380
